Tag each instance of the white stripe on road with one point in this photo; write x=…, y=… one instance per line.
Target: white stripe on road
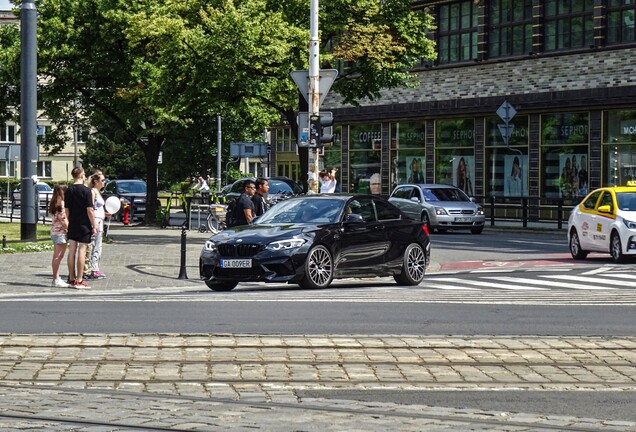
x=484, y=284
x=595, y=281
x=551, y=284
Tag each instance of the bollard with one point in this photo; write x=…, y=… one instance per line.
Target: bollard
x=182, y=270
x=492, y=210
x=4, y=241
x=524, y=211
x=560, y=214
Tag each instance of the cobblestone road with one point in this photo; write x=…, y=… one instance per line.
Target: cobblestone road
x=226, y=381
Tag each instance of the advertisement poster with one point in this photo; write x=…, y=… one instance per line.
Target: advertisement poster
x=463, y=169
x=415, y=169
x=574, y=175
x=515, y=167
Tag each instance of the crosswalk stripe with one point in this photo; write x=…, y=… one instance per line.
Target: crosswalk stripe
x=621, y=275
x=598, y=281
x=555, y=284
x=446, y=287
x=485, y=284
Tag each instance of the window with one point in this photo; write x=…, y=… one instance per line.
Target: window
x=7, y=133
x=44, y=169
x=408, y=156
x=365, y=144
x=564, y=155
x=507, y=165
x=590, y=203
x=510, y=30
x=386, y=211
x=620, y=21
x=82, y=135
x=457, y=32
x=619, y=147
x=7, y=168
x=405, y=192
x=568, y=24
x=455, y=153
x=284, y=140
x=607, y=200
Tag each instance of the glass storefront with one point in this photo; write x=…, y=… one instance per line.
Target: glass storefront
x=455, y=153
x=408, y=156
x=365, y=150
x=506, y=166
x=332, y=155
x=619, y=147
x=564, y=155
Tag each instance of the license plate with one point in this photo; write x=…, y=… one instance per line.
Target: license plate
x=236, y=263
x=462, y=219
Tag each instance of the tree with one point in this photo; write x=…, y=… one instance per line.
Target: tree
x=149, y=70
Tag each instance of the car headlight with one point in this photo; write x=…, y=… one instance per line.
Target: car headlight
x=480, y=211
x=285, y=244
x=629, y=224
x=440, y=211
x=209, y=246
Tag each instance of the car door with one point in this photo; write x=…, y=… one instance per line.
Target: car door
x=402, y=197
x=362, y=244
x=585, y=220
x=603, y=221
x=398, y=232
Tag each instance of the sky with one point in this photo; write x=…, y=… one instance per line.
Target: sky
x=5, y=5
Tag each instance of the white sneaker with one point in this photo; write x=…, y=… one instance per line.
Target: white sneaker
x=59, y=283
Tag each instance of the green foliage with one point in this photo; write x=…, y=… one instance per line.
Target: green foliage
x=151, y=75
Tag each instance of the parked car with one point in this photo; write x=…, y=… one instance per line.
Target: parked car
x=279, y=187
x=605, y=221
x=439, y=206
x=45, y=193
x=310, y=240
x=132, y=192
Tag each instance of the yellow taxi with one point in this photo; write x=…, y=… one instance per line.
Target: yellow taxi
x=605, y=221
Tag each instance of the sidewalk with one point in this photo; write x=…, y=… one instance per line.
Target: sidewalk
x=138, y=257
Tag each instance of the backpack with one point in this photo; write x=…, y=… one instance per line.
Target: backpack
x=230, y=213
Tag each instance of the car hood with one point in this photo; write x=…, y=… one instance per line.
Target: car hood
x=462, y=205
x=260, y=234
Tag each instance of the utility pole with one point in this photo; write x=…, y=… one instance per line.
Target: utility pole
x=314, y=82
x=28, y=124
x=218, y=153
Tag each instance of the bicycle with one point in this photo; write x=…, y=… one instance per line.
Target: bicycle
x=213, y=222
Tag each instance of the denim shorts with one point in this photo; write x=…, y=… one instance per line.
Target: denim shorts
x=58, y=239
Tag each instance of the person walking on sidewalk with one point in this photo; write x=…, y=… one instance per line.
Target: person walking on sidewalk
x=81, y=226
x=260, y=205
x=59, y=228
x=96, y=183
x=88, y=270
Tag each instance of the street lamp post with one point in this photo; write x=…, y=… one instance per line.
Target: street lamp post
x=28, y=123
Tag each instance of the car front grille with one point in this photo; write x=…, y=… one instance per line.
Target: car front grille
x=242, y=250
x=465, y=212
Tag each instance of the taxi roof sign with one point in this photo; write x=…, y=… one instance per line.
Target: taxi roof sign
x=631, y=182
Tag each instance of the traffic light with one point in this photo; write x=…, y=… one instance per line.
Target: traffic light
x=326, y=128
x=320, y=130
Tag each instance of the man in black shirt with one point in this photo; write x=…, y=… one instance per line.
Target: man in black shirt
x=260, y=205
x=244, y=205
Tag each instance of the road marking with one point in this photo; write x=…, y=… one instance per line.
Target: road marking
x=596, y=271
x=537, y=243
x=551, y=283
x=596, y=281
x=484, y=284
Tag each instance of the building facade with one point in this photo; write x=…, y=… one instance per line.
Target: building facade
x=566, y=69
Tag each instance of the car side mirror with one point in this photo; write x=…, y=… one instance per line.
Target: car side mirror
x=472, y=199
x=354, y=218
x=415, y=199
x=605, y=209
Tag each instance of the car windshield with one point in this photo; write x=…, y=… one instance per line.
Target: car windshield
x=132, y=187
x=444, y=194
x=303, y=211
x=626, y=201
x=44, y=187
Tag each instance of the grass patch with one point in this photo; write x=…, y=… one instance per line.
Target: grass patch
x=11, y=231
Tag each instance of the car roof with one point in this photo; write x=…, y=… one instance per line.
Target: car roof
x=617, y=189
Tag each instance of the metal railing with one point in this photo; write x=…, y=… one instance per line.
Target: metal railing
x=527, y=209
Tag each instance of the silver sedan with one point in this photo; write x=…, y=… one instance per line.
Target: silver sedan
x=441, y=207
